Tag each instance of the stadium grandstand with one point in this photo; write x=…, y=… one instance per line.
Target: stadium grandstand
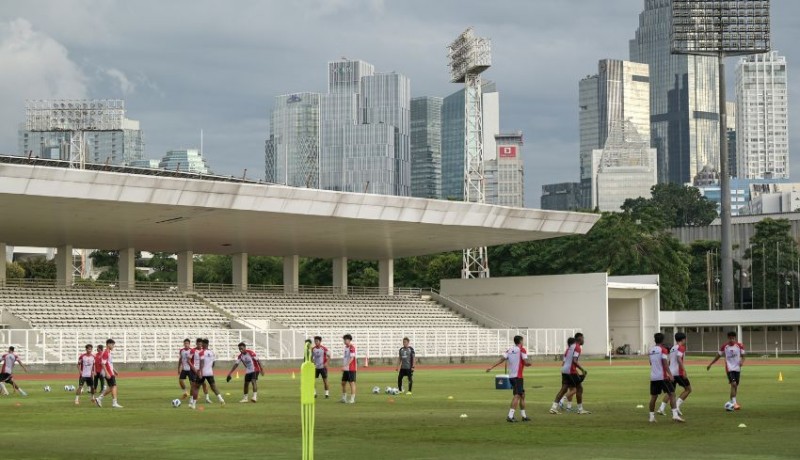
x=47, y=204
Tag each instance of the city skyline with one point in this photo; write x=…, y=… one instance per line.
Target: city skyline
x=222, y=79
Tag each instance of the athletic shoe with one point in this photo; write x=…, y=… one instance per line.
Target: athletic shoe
x=554, y=411
x=583, y=412
x=652, y=420
x=315, y=396
x=77, y=402
x=678, y=419
x=526, y=419
x=661, y=412
x=736, y=406
x=99, y=402
x=408, y=393
x=343, y=400
x=222, y=402
x=192, y=406
x=254, y=400
x=208, y=399
x=327, y=396
x=244, y=400
x=116, y=406
x=680, y=413
x=510, y=420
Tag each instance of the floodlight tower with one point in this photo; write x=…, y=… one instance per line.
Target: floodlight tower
x=721, y=28
x=469, y=56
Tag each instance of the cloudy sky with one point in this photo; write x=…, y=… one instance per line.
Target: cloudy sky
x=183, y=66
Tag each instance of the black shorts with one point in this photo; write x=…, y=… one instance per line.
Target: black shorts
x=348, y=376
x=407, y=373
x=111, y=381
x=6, y=378
x=571, y=380
x=209, y=379
x=661, y=386
x=734, y=376
x=682, y=381
x=321, y=373
x=198, y=380
x=88, y=381
x=251, y=377
x=517, y=386
x=185, y=375
x=98, y=380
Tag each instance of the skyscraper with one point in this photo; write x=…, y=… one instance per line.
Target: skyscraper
x=505, y=184
x=453, y=137
x=426, y=147
x=762, y=109
x=185, y=160
x=292, y=150
x=620, y=91
x=684, y=103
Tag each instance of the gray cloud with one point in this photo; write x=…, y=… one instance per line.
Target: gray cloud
x=189, y=65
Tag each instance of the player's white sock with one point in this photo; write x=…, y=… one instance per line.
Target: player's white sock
x=662, y=407
x=511, y=413
x=327, y=393
x=733, y=400
x=3, y=389
x=114, y=402
x=675, y=413
x=22, y=392
x=352, y=399
x=220, y=398
x=580, y=406
x=569, y=404
x=652, y=415
x=564, y=400
x=554, y=406
x=255, y=395
x=679, y=403
x=77, y=398
x=523, y=414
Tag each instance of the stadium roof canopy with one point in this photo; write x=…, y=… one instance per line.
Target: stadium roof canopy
x=50, y=206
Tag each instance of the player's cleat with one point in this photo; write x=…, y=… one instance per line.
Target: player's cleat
x=408, y=393
x=736, y=406
x=583, y=412
x=652, y=420
x=222, y=402
x=244, y=400
x=254, y=400
x=680, y=413
x=208, y=399
x=99, y=402
x=554, y=411
x=677, y=418
x=661, y=412
x=77, y=403
x=526, y=419
x=510, y=420
x=116, y=406
x=327, y=396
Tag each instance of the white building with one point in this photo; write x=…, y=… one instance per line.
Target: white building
x=762, y=126
x=505, y=178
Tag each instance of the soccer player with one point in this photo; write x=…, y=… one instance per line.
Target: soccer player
x=405, y=365
x=348, y=370
x=111, y=376
x=661, y=378
x=207, y=369
x=570, y=379
x=195, y=356
x=7, y=363
x=99, y=378
x=85, y=372
x=321, y=355
x=184, y=368
x=733, y=352
x=517, y=358
x=252, y=368
x=676, y=367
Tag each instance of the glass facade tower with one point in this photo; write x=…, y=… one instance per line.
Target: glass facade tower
x=684, y=104
x=292, y=150
x=426, y=147
x=185, y=160
x=762, y=117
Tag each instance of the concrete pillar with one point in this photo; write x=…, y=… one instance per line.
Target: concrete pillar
x=64, y=270
x=386, y=276
x=239, y=262
x=186, y=271
x=291, y=274
x=739, y=337
x=340, y=275
x=3, y=264
x=127, y=269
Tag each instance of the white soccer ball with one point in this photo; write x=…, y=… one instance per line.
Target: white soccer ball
x=376, y=390
x=395, y=391
x=69, y=387
x=729, y=406
x=388, y=390
x=47, y=389
x=176, y=403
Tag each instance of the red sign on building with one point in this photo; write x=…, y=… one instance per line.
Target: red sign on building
x=507, y=151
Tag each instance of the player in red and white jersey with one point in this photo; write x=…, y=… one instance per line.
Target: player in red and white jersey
x=517, y=358
x=98, y=384
x=85, y=373
x=676, y=367
x=571, y=381
x=321, y=355
x=661, y=378
x=195, y=374
x=253, y=369
x=348, y=369
x=207, y=370
x=733, y=351
x=7, y=362
x=184, y=368
x=111, y=375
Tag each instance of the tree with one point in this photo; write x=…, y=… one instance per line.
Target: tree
x=703, y=272
x=265, y=270
x=39, y=268
x=214, y=269
x=671, y=205
x=165, y=267
x=14, y=271
x=774, y=263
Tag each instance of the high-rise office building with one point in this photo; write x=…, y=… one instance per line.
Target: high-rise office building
x=684, y=103
x=453, y=137
x=119, y=148
x=620, y=91
x=185, y=160
x=426, y=147
x=563, y=196
x=505, y=184
x=292, y=150
x=762, y=126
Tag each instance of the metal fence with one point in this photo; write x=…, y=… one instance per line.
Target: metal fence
x=154, y=345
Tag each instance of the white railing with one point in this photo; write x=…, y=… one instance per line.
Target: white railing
x=153, y=345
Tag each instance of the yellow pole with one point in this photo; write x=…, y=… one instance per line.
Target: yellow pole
x=307, y=402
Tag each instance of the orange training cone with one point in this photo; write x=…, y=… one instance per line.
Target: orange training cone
x=366, y=361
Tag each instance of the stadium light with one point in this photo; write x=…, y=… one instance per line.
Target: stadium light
x=721, y=28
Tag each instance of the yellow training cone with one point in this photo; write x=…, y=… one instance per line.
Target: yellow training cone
x=293, y=376
x=237, y=376
x=780, y=376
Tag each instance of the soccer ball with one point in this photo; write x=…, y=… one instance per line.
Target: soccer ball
x=69, y=387
x=376, y=390
x=388, y=390
x=393, y=391
x=729, y=406
x=47, y=389
x=176, y=403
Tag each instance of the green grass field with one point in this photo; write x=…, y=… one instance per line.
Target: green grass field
x=426, y=425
